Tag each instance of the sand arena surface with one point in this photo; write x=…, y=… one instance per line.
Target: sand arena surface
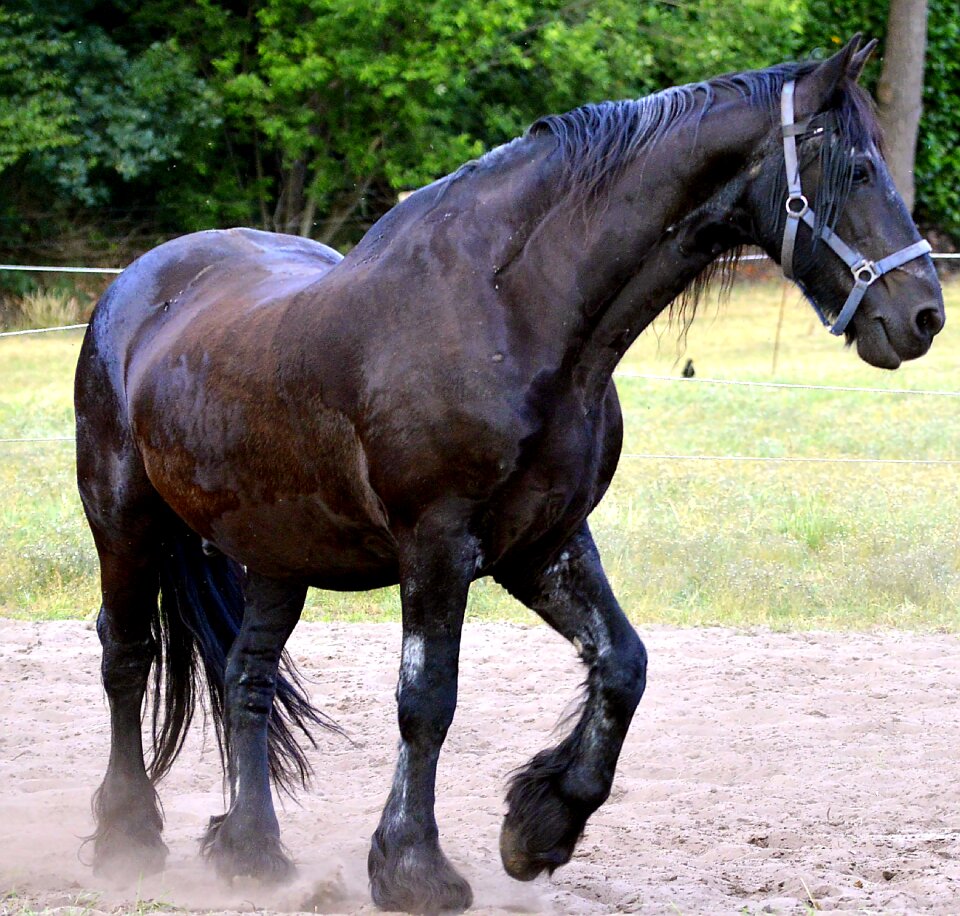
x=761, y=768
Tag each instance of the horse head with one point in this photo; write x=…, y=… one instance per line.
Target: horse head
x=825, y=206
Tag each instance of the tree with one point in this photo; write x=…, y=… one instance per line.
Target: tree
x=339, y=106
x=149, y=118
x=35, y=110
x=937, y=168
x=900, y=90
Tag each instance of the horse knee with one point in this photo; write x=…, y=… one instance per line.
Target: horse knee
x=425, y=715
x=623, y=674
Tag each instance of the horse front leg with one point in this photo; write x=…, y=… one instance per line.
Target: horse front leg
x=550, y=800
x=246, y=840
x=408, y=871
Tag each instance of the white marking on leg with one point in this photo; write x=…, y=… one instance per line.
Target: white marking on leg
x=562, y=564
x=411, y=659
x=398, y=814
x=236, y=786
x=600, y=632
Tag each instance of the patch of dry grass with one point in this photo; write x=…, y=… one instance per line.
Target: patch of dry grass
x=48, y=308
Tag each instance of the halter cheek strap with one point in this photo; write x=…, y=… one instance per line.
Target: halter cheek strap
x=865, y=272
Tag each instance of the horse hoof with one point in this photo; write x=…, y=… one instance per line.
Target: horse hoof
x=415, y=879
x=260, y=857
x=268, y=866
x=540, y=830
x=524, y=864
x=120, y=857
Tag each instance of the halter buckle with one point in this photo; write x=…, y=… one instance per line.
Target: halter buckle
x=865, y=272
x=801, y=211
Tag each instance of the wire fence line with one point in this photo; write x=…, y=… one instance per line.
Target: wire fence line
x=663, y=456
x=62, y=327
x=39, y=268
x=38, y=439
x=788, y=459
x=627, y=373
x=623, y=374
x=64, y=270
x=644, y=376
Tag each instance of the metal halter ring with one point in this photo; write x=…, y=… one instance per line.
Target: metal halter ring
x=865, y=272
x=797, y=199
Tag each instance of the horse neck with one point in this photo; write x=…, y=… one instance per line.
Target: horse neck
x=594, y=275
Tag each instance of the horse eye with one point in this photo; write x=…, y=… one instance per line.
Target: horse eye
x=861, y=174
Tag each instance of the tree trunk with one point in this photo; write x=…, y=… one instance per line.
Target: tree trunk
x=347, y=207
x=900, y=90
x=289, y=207
x=336, y=221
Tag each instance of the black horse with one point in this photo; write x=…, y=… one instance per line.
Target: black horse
x=257, y=415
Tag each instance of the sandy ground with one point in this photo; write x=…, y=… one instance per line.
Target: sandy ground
x=763, y=771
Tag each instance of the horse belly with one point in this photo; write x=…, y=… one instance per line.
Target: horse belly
x=304, y=537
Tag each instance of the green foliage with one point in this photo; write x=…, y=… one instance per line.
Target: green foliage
x=938, y=155
x=310, y=115
x=133, y=114
x=364, y=99
x=35, y=112
x=696, y=40
x=937, y=168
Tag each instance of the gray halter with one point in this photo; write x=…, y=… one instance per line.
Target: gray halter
x=865, y=271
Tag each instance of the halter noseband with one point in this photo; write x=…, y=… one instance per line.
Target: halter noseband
x=864, y=271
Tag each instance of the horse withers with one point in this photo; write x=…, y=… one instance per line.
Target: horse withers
x=257, y=415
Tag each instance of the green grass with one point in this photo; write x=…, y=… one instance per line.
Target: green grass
x=685, y=542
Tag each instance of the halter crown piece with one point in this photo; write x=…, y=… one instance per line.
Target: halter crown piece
x=864, y=271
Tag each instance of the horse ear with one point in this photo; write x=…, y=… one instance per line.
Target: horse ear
x=859, y=60
x=816, y=90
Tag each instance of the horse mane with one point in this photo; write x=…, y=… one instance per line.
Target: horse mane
x=597, y=142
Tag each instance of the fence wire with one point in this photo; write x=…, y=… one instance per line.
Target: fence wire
x=620, y=374
x=655, y=456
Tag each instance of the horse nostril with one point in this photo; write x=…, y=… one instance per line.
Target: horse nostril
x=929, y=321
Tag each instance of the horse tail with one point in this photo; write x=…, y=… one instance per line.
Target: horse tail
x=195, y=623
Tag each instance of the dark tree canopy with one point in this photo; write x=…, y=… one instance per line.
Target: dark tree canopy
x=122, y=123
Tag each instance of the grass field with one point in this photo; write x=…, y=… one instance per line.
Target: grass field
x=787, y=545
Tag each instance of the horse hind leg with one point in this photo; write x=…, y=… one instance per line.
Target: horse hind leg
x=126, y=808
x=124, y=513
x=550, y=799
x=246, y=840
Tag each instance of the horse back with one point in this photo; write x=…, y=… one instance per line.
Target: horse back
x=200, y=280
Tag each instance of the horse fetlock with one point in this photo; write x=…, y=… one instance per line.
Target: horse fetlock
x=414, y=877
x=127, y=839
